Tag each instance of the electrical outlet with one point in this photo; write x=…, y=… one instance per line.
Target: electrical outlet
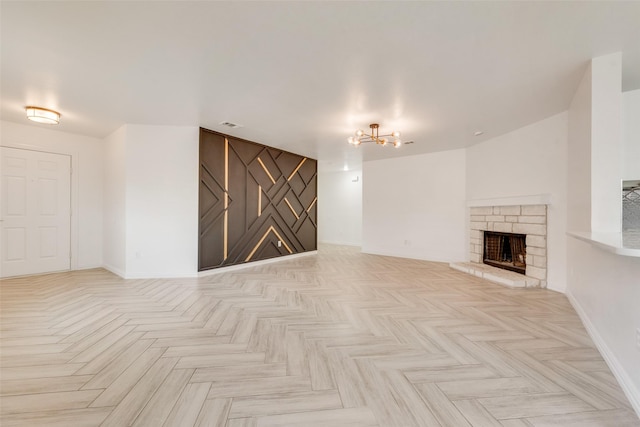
x=638, y=338
x=279, y=243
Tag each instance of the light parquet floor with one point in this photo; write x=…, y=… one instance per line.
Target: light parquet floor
x=337, y=339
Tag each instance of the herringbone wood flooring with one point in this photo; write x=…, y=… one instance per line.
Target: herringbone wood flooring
x=337, y=339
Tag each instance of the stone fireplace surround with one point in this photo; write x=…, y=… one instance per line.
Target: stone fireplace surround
x=522, y=219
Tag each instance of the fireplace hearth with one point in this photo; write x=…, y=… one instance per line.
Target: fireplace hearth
x=505, y=250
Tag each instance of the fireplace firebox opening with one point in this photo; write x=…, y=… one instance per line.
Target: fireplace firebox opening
x=505, y=250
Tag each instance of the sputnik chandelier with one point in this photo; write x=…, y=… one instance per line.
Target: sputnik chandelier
x=383, y=140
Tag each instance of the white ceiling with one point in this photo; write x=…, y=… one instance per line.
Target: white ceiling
x=303, y=76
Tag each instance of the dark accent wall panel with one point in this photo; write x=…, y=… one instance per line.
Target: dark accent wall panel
x=252, y=197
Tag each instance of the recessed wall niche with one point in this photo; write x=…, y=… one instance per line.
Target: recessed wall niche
x=255, y=202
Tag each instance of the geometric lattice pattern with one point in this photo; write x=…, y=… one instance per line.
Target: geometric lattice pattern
x=256, y=202
x=631, y=209
x=335, y=339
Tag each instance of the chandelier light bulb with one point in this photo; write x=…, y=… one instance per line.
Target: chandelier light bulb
x=376, y=137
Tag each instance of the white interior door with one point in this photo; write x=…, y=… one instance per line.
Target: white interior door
x=35, y=212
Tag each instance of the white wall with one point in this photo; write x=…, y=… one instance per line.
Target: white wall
x=115, y=173
x=414, y=207
x=340, y=208
x=605, y=289
x=631, y=135
x=529, y=161
x=161, y=201
x=579, y=158
x=606, y=143
x=86, y=183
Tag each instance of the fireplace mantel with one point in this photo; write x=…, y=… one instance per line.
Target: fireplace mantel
x=535, y=199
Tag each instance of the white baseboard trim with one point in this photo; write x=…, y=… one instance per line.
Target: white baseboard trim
x=114, y=270
x=219, y=270
x=87, y=267
x=552, y=287
x=329, y=242
x=627, y=385
x=154, y=275
x=408, y=256
x=253, y=264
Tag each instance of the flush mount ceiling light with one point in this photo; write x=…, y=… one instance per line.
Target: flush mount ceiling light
x=43, y=115
x=383, y=140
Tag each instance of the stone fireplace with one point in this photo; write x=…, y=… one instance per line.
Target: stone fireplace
x=528, y=221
